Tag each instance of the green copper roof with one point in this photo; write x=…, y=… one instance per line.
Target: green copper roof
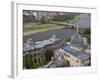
x=77, y=39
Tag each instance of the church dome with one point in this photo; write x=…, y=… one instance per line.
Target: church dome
x=77, y=39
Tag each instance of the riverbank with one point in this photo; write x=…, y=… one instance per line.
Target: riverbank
x=42, y=30
x=39, y=26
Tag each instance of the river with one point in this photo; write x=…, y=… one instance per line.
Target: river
x=83, y=22
x=60, y=33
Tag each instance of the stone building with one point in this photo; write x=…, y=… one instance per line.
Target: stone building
x=75, y=58
x=37, y=49
x=48, y=15
x=79, y=43
x=77, y=52
x=38, y=55
x=28, y=17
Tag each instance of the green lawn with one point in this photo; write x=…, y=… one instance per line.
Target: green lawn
x=40, y=26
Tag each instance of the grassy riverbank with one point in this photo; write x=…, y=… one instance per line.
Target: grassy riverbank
x=39, y=27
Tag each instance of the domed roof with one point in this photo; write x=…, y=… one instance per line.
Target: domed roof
x=77, y=39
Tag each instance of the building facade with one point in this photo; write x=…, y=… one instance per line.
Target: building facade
x=37, y=49
x=74, y=58
x=77, y=52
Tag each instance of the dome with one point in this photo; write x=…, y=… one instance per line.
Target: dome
x=77, y=39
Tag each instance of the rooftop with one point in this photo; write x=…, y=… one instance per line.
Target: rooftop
x=29, y=45
x=78, y=41
x=77, y=54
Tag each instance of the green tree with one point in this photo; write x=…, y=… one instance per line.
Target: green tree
x=48, y=54
x=65, y=17
x=41, y=63
x=43, y=20
x=86, y=32
x=27, y=61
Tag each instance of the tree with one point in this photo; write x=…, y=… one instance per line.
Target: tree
x=48, y=54
x=65, y=17
x=86, y=32
x=27, y=61
x=43, y=20
x=41, y=63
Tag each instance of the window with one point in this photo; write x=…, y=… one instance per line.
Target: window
x=35, y=61
x=34, y=55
